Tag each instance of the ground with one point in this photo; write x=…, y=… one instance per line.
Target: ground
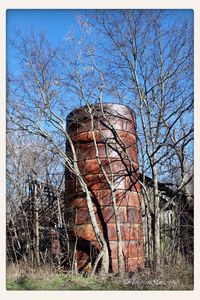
x=173, y=278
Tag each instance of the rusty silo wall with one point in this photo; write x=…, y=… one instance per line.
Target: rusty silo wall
x=112, y=133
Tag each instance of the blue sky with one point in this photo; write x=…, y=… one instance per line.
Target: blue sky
x=54, y=22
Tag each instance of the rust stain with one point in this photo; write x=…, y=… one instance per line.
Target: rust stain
x=125, y=176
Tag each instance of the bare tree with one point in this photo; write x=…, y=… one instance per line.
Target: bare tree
x=37, y=104
x=144, y=58
x=134, y=57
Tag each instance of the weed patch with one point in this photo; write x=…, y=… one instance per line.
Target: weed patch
x=176, y=278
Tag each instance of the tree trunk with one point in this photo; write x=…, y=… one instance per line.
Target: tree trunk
x=156, y=220
x=148, y=232
x=37, y=236
x=100, y=238
x=119, y=237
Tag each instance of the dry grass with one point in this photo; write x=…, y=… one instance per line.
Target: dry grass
x=23, y=277
x=178, y=277
x=21, y=269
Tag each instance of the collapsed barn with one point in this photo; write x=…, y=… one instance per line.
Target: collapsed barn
x=53, y=227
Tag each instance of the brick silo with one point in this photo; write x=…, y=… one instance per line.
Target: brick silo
x=115, y=132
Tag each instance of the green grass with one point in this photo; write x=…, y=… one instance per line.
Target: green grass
x=69, y=282
x=23, y=284
x=176, y=278
x=59, y=282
